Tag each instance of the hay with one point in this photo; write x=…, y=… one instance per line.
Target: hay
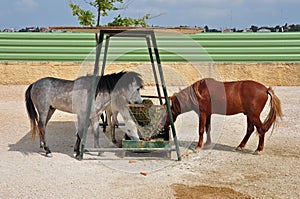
x=148, y=118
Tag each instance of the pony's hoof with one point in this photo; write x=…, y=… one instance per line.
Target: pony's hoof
x=256, y=152
x=198, y=148
x=238, y=148
x=207, y=145
x=49, y=155
x=77, y=156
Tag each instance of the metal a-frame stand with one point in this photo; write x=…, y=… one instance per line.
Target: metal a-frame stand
x=149, y=35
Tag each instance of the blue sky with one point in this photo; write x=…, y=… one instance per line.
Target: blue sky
x=218, y=14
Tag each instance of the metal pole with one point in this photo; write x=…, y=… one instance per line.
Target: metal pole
x=91, y=95
x=153, y=68
x=105, y=54
x=165, y=94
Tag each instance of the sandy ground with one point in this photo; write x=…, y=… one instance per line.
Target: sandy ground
x=219, y=172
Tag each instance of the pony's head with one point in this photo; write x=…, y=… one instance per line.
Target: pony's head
x=131, y=130
x=133, y=94
x=175, y=110
x=127, y=84
x=132, y=83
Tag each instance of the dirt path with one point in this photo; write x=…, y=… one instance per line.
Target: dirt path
x=214, y=173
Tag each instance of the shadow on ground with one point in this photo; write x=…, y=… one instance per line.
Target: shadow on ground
x=213, y=146
x=60, y=138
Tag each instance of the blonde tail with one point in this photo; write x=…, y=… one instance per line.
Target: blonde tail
x=275, y=110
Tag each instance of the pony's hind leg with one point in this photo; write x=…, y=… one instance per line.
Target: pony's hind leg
x=43, y=134
x=261, y=133
x=45, y=112
x=250, y=129
x=208, y=129
x=43, y=145
x=50, y=113
x=260, y=143
x=44, y=116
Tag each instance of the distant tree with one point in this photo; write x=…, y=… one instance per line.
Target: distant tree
x=206, y=29
x=214, y=30
x=294, y=28
x=254, y=28
x=278, y=28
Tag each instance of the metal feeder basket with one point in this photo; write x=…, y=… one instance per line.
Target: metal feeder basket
x=149, y=120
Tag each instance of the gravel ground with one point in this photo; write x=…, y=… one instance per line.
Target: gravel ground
x=218, y=172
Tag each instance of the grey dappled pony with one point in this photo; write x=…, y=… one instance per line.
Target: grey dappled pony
x=46, y=95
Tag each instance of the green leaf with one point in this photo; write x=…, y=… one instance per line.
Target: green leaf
x=87, y=18
x=120, y=21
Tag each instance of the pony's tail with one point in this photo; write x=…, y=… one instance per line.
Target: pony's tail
x=275, y=110
x=32, y=114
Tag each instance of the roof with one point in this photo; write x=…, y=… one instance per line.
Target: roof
x=183, y=30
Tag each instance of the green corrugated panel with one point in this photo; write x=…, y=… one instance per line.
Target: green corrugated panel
x=228, y=47
x=252, y=50
x=221, y=58
x=43, y=49
x=42, y=57
x=42, y=36
x=45, y=42
x=246, y=36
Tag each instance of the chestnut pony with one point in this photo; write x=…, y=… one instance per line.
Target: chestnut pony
x=208, y=96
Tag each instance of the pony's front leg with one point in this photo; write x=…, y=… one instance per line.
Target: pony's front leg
x=95, y=127
x=114, y=122
x=77, y=147
x=111, y=123
x=81, y=126
x=202, y=123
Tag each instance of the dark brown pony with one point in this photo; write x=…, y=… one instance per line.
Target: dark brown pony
x=208, y=96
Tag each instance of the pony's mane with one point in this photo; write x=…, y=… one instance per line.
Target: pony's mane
x=117, y=81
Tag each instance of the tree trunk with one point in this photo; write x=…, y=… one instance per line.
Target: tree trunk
x=98, y=17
